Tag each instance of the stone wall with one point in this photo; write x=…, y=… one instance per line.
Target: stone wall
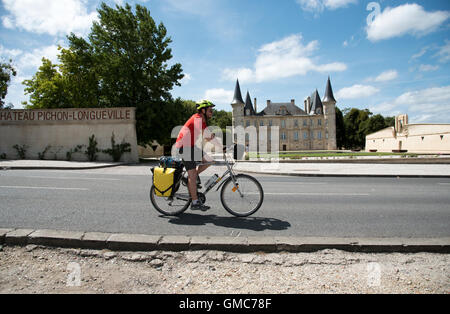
x=415, y=138
x=58, y=131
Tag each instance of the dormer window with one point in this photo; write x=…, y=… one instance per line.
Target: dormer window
x=282, y=111
x=247, y=112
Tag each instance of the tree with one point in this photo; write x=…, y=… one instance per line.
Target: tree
x=6, y=72
x=340, y=129
x=47, y=88
x=122, y=64
x=221, y=119
x=358, y=124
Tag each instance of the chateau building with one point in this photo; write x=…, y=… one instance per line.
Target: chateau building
x=313, y=128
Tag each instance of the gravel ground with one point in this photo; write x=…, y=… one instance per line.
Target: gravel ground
x=35, y=269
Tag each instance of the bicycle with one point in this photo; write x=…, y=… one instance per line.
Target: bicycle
x=241, y=194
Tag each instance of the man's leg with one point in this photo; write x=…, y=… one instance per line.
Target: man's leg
x=206, y=159
x=192, y=183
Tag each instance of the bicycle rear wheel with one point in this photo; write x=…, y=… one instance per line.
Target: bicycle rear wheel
x=171, y=206
x=244, y=199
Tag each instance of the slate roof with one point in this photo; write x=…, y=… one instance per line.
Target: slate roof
x=275, y=108
x=237, y=99
x=249, y=105
x=329, y=97
x=316, y=104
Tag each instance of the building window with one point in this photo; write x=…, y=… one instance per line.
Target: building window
x=261, y=123
x=247, y=112
x=312, y=135
x=305, y=123
x=296, y=123
x=311, y=122
x=319, y=122
x=295, y=136
x=270, y=122
x=283, y=136
x=283, y=123
x=319, y=135
x=247, y=123
x=305, y=135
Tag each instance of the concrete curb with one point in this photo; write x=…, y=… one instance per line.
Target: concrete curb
x=368, y=175
x=62, y=168
x=139, y=242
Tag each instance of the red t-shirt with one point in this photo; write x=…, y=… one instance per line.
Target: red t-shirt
x=190, y=132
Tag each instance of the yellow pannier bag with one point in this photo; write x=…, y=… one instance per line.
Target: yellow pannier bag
x=163, y=180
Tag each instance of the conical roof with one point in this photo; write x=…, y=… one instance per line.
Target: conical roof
x=249, y=105
x=237, y=99
x=316, y=104
x=329, y=97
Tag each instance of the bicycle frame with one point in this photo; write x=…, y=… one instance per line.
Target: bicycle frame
x=228, y=172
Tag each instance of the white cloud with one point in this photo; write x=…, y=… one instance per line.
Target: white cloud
x=280, y=59
x=186, y=79
x=336, y=4
x=318, y=6
x=388, y=75
x=444, y=52
x=405, y=19
x=357, y=91
x=431, y=105
x=33, y=60
x=9, y=53
x=54, y=17
x=420, y=53
x=428, y=67
x=219, y=96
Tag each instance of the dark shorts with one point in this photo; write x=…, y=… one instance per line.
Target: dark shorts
x=191, y=156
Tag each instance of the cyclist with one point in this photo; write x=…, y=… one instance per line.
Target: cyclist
x=191, y=133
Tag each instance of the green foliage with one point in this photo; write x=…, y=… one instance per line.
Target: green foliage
x=116, y=151
x=356, y=124
x=21, y=150
x=340, y=129
x=92, y=150
x=76, y=149
x=46, y=88
x=222, y=119
x=41, y=155
x=123, y=63
x=6, y=72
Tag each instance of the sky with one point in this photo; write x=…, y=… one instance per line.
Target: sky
x=389, y=56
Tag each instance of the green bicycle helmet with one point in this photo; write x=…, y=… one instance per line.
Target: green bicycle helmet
x=204, y=104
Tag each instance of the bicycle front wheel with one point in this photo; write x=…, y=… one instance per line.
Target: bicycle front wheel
x=244, y=198
x=171, y=206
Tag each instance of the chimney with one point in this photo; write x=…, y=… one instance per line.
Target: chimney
x=268, y=102
x=307, y=104
x=256, y=111
x=293, y=101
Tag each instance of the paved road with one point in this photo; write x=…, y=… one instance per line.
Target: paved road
x=116, y=200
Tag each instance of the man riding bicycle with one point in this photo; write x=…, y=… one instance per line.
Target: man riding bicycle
x=191, y=152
